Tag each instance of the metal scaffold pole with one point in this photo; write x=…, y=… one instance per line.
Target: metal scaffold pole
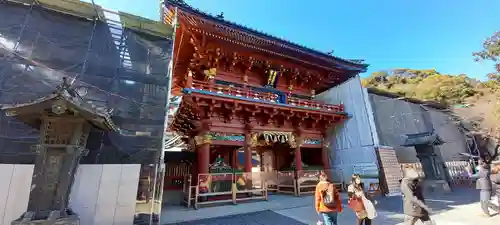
x=160, y=166
x=87, y=53
x=23, y=27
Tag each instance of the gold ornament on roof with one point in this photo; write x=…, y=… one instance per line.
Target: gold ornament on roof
x=245, y=79
x=254, y=139
x=267, y=138
x=203, y=139
x=210, y=73
x=59, y=107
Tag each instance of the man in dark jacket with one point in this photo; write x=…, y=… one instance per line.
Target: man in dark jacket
x=484, y=184
x=413, y=199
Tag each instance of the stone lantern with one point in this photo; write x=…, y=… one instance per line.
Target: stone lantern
x=64, y=120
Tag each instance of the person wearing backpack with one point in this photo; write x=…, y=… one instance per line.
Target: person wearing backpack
x=327, y=200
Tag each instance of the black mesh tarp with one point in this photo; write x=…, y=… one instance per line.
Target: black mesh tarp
x=114, y=68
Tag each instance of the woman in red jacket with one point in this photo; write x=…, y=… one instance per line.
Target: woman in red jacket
x=357, y=200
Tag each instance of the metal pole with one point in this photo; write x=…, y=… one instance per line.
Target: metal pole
x=25, y=23
x=89, y=48
x=161, y=155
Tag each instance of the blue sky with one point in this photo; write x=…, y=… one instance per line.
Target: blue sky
x=423, y=34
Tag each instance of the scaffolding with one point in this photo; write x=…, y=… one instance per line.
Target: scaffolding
x=116, y=61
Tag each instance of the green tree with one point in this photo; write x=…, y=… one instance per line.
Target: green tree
x=479, y=102
x=427, y=85
x=490, y=51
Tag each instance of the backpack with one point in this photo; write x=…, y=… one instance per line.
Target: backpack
x=328, y=197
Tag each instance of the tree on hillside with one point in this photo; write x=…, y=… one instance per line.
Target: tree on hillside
x=473, y=104
x=488, y=106
x=491, y=51
x=428, y=85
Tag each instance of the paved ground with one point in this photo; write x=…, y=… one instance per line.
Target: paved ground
x=457, y=208
x=255, y=218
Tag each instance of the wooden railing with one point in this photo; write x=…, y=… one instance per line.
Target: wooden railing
x=264, y=96
x=235, y=91
x=286, y=182
x=307, y=181
x=315, y=105
x=189, y=191
x=215, y=188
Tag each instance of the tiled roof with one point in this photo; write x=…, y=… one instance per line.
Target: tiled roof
x=354, y=64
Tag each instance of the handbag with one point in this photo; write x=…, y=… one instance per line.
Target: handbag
x=370, y=208
x=356, y=204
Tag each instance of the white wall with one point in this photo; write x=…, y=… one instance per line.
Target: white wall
x=15, y=185
x=105, y=194
x=352, y=142
x=101, y=194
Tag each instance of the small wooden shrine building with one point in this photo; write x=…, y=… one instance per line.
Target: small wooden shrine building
x=246, y=91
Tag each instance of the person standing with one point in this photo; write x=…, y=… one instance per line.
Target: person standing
x=327, y=200
x=414, y=206
x=484, y=185
x=358, y=201
x=495, y=179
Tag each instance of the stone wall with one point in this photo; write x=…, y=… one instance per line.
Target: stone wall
x=395, y=117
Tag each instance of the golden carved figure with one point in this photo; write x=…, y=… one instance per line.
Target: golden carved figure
x=203, y=139
x=210, y=73
x=245, y=79
x=270, y=137
x=254, y=139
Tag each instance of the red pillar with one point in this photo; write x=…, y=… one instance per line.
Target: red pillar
x=325, y=158
x=298, y=158
x=248, y=154
x=203, y=158
x=234, y=159
x=261, y=161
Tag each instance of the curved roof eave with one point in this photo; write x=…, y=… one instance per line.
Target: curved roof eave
x=347, y=64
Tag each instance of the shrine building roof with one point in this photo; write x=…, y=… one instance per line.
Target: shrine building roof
x=61, y=101
x=240, y=34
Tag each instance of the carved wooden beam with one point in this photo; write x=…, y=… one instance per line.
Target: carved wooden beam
x=198, y=48
x=234, y=61
x=219, y=54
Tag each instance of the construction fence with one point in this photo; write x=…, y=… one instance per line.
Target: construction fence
x=115, y=61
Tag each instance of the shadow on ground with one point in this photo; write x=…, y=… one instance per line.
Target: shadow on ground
x=256, y=218
x=438, y=202
x=390, y=211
